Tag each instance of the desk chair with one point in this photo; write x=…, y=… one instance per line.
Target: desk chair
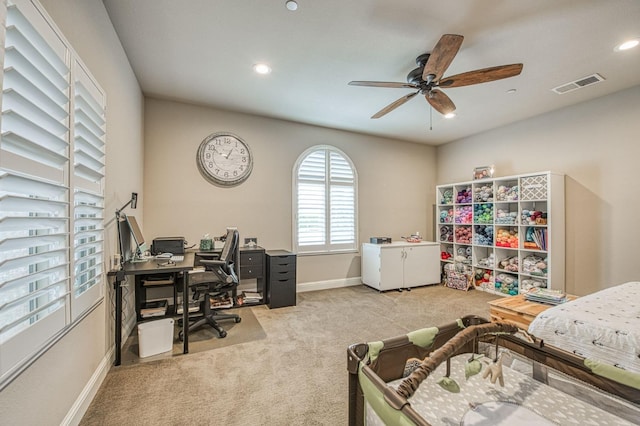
x=219, y=278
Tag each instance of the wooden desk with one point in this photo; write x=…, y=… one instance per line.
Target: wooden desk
x=151, y=267
x=516, y=310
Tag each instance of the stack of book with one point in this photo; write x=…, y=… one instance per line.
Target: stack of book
x=222, y=301
x=156, y=308
x=251, y=297
x=544, y=295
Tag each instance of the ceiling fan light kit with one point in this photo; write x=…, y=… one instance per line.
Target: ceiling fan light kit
x=427, y=78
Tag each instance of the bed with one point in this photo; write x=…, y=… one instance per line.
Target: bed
x=603, y=327
x=424, y=378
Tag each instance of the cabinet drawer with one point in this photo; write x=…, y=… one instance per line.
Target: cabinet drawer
x=251, y=259
x=278, y=267
x=250, y=271
x=282, y=293
x=281, y=275
x=282, y=260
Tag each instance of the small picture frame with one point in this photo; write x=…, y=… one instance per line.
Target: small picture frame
x=251, y=242
x=483, y=172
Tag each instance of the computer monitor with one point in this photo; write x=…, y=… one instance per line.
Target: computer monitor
x=138, y=238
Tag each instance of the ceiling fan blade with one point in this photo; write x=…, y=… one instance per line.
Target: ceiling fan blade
x=441, y=56
x=481, y=76
x=383, y=84
x=394, y=105
x=440, y=102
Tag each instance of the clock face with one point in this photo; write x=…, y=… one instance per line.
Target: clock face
x=224, y=159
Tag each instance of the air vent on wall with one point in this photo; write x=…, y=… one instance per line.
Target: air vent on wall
x=578, y=84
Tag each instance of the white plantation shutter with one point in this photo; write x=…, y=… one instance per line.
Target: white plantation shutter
x=325, y=202
x=51, y=188
x=88, y=167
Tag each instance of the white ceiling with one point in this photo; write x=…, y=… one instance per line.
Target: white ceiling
x=202, y=52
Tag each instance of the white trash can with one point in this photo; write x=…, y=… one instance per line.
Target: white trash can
x=155, y=337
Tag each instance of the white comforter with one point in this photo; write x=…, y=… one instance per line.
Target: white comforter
x=604, y=326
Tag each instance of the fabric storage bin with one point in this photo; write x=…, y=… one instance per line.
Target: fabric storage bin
x=155, y=337
x=533, y=188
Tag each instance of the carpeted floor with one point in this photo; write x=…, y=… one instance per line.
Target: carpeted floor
x=202, y=339
x=296, y=375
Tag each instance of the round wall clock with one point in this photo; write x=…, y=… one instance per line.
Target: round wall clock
x=224, y=159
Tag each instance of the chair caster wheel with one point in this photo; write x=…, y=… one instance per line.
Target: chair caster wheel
x=238, y=320
x=223, y=334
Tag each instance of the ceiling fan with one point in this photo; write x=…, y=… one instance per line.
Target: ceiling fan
x=427, y=78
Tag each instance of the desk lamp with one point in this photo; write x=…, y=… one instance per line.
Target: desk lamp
x=133, y=202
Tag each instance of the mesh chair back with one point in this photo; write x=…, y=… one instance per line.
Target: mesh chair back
x=230, y=246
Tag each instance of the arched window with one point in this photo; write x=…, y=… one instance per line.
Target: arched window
x=325, y=202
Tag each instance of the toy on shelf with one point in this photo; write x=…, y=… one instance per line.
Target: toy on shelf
x=507, y=238
x=445, y=255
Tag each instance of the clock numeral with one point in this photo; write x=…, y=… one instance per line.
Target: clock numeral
x=244, y=159
x=235, y=173
x=218, y=142
x=226, y=174
x=242, y=151
x=241, y=167
x=210, y=164
x=217, y=171
x=207, y=155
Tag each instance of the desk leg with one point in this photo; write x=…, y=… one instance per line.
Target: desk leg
x=118, y=316
x=185, y=312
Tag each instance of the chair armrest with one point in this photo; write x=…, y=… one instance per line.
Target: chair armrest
x=213, y=262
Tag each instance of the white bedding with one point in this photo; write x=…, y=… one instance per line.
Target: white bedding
x=604, y=326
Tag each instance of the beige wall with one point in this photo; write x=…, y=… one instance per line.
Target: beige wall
x=597, y=145
x=396, y=182
x=45, y=392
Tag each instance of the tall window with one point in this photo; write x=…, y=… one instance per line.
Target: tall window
x=51, y=187
x=325, y=202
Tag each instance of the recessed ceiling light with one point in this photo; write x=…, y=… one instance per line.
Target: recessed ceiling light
x=511, y=91
x=450, y=115
x=629, y=44
x=262, y=68
x=291, y=5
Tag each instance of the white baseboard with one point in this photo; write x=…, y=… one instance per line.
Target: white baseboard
x=79, y=407
x=328, y=284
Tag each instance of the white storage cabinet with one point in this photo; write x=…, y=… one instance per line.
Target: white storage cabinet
x=400, y=265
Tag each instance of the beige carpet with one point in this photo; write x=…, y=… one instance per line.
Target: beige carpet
x=203, y=339
x=296, y=375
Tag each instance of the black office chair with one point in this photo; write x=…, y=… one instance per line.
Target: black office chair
x=219, y=278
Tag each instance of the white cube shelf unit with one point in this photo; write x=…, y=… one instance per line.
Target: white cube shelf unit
x=508, y=232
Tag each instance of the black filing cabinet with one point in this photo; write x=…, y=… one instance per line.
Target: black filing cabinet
x=281, y=278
